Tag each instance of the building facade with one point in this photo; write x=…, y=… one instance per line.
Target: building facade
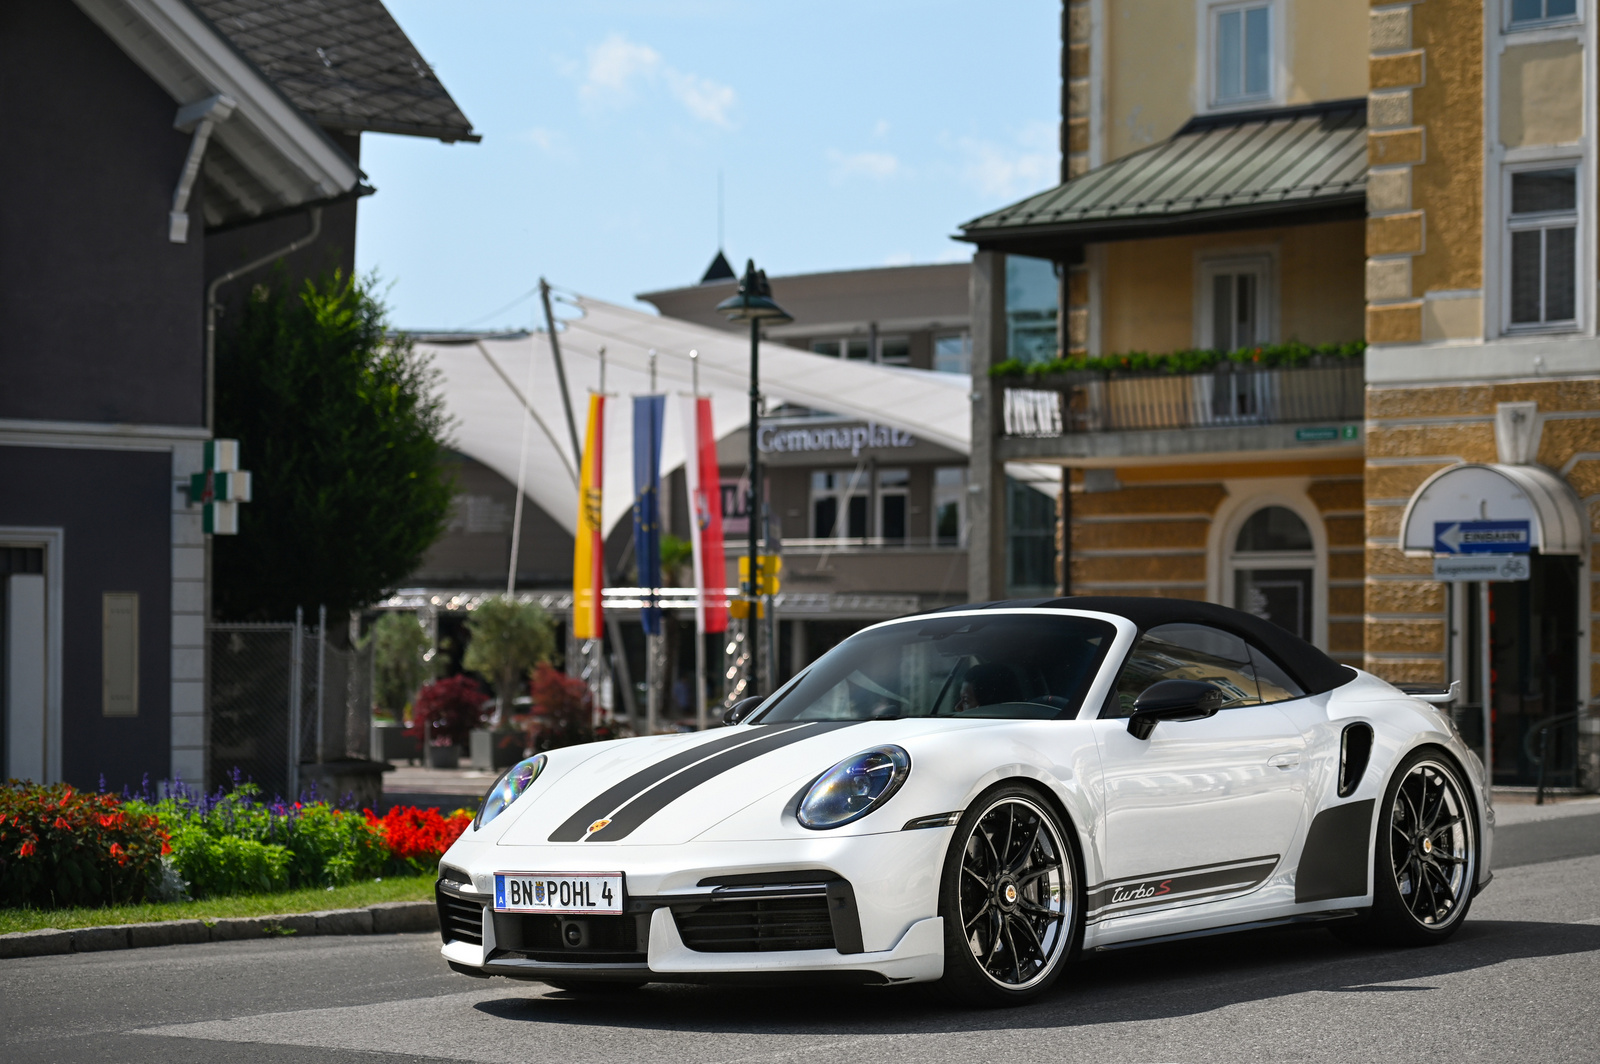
x=159, y=150
x=1281, y=180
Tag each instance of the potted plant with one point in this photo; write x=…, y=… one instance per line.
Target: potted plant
x=562, y=710
x=446, y=712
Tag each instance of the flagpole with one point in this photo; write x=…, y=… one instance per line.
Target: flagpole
x=697, y=554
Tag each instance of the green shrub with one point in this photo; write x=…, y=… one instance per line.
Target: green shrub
x=1292, y=353
x=215, y=866
x=60, y=847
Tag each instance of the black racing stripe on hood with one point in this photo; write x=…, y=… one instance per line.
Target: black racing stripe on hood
x=577, y=825
x=651, y=802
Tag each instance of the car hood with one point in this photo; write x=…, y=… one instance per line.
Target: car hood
x=669, y=789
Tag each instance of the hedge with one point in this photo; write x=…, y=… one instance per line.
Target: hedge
x=1189, y=361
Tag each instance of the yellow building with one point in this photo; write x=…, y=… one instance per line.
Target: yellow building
x=1281, y=180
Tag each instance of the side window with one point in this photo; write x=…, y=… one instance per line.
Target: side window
x=1188, y=652
x=1275, y=684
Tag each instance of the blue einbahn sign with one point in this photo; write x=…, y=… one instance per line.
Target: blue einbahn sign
x=1482, y=537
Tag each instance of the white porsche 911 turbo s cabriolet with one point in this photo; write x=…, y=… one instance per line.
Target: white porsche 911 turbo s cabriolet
x=974, y=796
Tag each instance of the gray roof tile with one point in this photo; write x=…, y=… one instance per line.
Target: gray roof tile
x=1292, y=158
x=345, y=63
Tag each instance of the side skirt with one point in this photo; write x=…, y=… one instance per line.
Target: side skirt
x=1228, y=929
x=1337, y=853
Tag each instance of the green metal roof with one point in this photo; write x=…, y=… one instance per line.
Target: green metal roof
x=1218, y=171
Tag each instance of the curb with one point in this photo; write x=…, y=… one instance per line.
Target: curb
x=388, y=918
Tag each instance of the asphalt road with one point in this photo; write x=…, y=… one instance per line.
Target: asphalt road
x=1521, y=980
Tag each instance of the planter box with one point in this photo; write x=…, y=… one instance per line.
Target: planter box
x=391, y=743
x=487, y=755
x=444, y=757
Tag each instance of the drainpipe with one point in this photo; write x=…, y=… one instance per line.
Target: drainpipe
x=211, y=307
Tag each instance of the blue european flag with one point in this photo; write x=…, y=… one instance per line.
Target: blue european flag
x=649, y=413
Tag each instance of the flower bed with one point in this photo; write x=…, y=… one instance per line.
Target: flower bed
x=61, y=847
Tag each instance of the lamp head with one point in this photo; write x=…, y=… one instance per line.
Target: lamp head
x=753, y=301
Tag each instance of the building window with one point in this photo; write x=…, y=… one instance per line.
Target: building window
x=1236, y=304
x=893, y=485
x=1033, y=297
x=1241, y=53
x=1542, y=246
x=1536, y=12
x=952, y=353
x=1273, y=562
x=1030, y=540
x=950, y=506
x=839, y=505
x=892, y=350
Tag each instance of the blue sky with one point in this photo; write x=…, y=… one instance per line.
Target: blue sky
x=848, y=135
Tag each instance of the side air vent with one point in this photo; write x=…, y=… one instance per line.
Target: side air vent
x=460, y=918
x=1355, y=750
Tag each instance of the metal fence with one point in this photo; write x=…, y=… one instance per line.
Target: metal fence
x=283, y=695
x=1085, y=401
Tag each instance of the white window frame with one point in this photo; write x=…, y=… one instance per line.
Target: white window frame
x=1206, y=64
x=1534, y=161
x=848, y=484
x=950, y=493
x=1509, y=26
x=52, y=541
x=1245, y=498
x=884, y=491
x=1263, y=262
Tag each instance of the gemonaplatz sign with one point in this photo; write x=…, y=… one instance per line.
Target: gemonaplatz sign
x=823, y=439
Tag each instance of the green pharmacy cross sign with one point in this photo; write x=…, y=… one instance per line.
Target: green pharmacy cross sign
x=220, y=489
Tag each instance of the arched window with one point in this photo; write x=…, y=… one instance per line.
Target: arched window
x=1273, y=564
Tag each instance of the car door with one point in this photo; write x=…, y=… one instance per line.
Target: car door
x=1201, y=809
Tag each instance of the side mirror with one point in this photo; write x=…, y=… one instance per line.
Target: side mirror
x=1172, y=700
x=741, y=709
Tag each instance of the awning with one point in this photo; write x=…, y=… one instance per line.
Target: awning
x=1478, y=492
x=485, y=380
x=1217, y=172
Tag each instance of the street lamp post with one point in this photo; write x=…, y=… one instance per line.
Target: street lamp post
x=753, y=303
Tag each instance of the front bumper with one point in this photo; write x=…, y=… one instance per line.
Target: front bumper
x=861, y=909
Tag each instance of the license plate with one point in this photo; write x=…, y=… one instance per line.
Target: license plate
x=558, y=892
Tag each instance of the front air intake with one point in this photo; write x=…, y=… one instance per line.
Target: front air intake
x=1355, y=750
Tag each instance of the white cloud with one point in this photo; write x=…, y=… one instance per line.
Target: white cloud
x=881, y=129
x=614, y=65
x=1028, y=164
x=705, y=99
x=878, y=165
x=618, y=68
x=898, y=258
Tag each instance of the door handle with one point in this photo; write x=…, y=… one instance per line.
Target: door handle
x=1284, y=761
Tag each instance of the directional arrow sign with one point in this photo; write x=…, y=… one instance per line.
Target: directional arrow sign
x=1481, y=537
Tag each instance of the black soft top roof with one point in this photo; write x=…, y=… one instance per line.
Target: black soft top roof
x=1315, y=670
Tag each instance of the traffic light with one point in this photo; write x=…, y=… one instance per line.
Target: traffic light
x=768, y=566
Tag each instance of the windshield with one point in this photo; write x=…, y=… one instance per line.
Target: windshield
x=1023, y=666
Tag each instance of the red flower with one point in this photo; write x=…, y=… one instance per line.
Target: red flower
x=28, y=849
x=61, y=824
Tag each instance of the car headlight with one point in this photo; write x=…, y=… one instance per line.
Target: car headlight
x=854, y=787
x=507, y=788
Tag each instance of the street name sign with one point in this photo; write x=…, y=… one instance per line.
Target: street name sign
x=1466, y=568
x=1482, y=537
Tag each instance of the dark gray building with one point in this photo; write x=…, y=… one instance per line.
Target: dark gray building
x=162, y=154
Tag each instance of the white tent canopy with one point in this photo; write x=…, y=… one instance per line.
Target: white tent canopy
x=486, y=382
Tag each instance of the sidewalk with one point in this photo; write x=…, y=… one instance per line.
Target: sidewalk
x=439, y=788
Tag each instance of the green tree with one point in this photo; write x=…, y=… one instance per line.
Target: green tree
x=399, y=644
x=508, y=638
x=344, y=431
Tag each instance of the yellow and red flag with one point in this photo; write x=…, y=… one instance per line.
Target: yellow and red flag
x=588, y=551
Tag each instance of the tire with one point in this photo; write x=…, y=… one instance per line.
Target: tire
x=1425, y=857
x=997, y=889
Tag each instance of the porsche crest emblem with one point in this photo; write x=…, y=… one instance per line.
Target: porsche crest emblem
x=598, y=824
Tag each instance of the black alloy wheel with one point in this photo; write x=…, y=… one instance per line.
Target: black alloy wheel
x=1011, y=899
x=1425, y=860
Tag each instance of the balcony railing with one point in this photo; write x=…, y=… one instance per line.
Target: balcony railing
x=1092, y=401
